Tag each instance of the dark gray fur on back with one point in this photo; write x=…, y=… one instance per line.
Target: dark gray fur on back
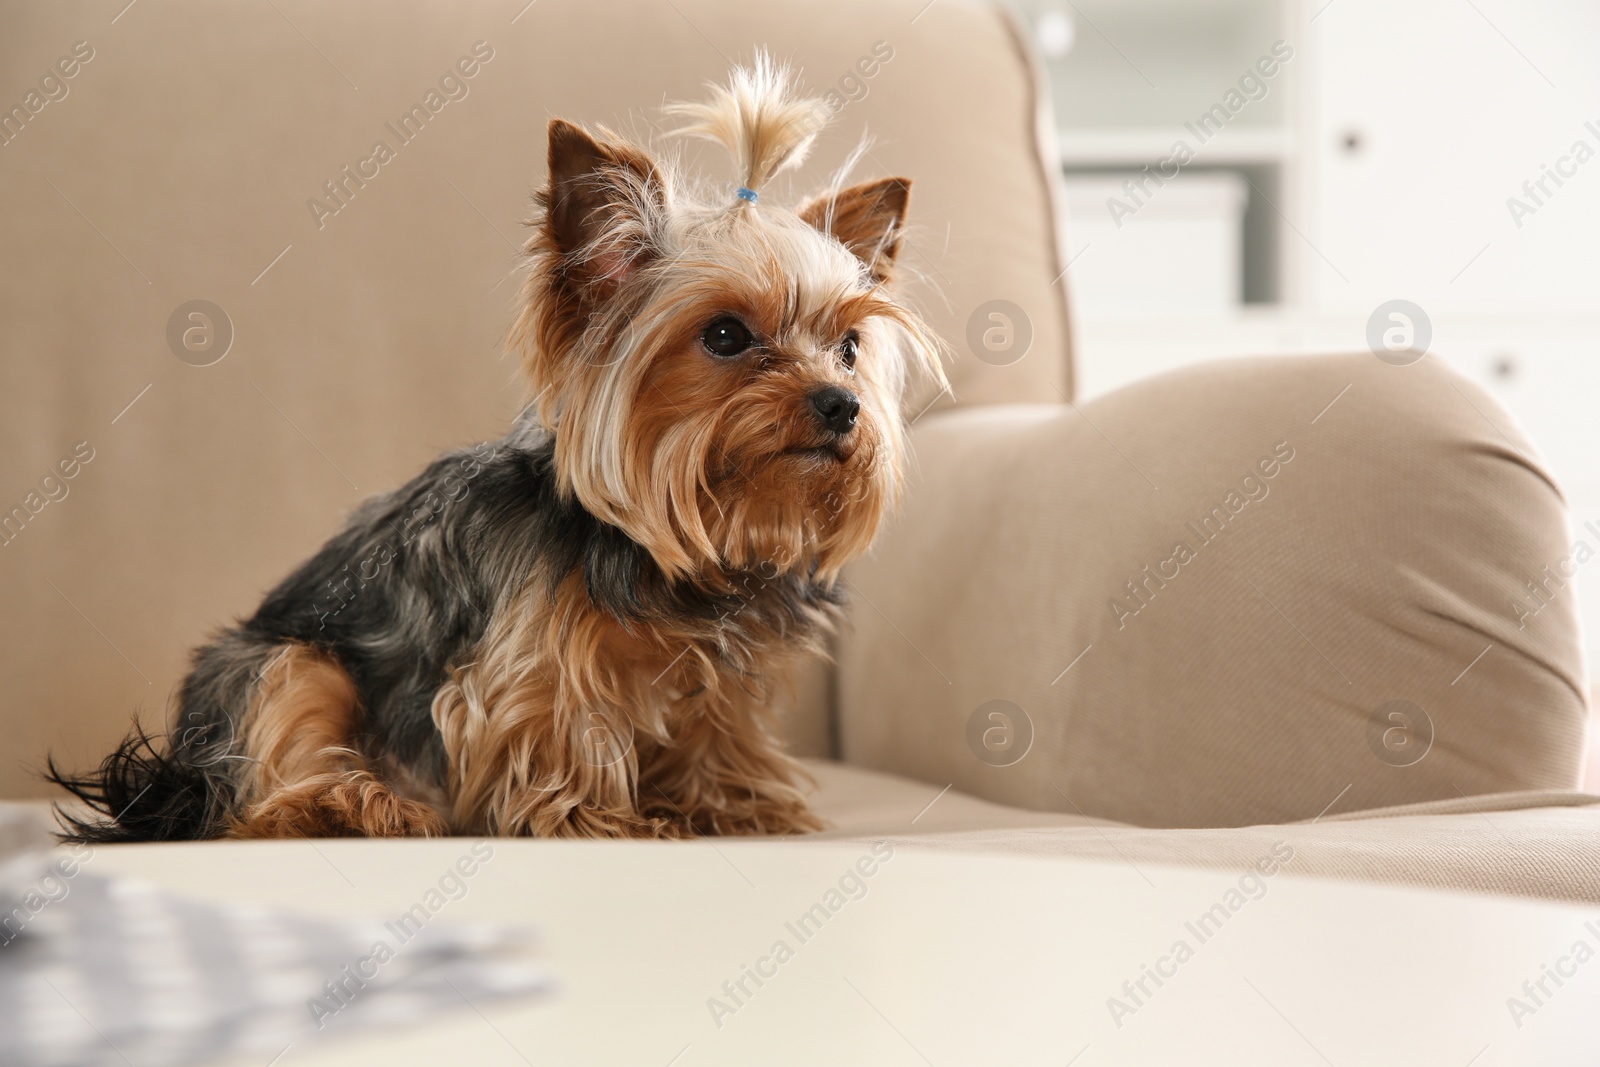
x=398, y=597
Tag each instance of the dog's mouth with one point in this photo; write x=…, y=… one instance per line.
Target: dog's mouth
x=818, y=453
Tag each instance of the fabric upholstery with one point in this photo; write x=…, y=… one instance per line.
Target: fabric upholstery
x=180, y=161
x=1537, y=844
x=1205, y=592
x=1534, y=844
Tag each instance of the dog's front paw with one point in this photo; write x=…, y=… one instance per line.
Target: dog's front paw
x=349, y=805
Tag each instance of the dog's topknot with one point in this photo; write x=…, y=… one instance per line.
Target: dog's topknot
x=759, y=117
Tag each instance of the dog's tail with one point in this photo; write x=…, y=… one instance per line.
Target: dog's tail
x=146, y=790
x=183, y=786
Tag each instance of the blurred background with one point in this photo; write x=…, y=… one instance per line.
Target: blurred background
x=1319, y=159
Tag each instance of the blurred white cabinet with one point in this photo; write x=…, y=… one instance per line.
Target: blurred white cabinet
x=1441, y=151
x=1196, y=95
x=1422, y=121
x=1180, y=251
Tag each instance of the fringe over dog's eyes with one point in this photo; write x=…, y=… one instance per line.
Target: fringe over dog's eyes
x=727, y=337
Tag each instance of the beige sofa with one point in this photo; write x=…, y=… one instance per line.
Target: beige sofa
x=1035, y=663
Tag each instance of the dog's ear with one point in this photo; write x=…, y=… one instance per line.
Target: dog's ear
x=599, y=205
x=867, y=219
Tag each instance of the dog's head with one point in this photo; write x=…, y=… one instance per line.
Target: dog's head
x=723, y=375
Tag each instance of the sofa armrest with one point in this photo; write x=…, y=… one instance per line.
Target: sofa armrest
x=1245, y=592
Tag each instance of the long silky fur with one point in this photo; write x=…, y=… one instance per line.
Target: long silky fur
x=142, y=792
x=759, y=117
x=631, y=549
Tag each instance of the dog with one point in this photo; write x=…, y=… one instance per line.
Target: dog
x=578, y=630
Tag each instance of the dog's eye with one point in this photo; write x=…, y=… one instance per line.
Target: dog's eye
x=727, y=337
x=847, y=349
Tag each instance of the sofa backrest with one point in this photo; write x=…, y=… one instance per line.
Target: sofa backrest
x=161, y=154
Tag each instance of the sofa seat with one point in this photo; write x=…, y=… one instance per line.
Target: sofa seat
x=1537, y=843
x=1540, y=844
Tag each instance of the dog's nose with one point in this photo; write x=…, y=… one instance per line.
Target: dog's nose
x=837, y=407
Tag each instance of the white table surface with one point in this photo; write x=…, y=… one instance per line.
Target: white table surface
x=948, y=959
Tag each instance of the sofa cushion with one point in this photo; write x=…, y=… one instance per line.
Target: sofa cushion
x=1246, y=592
x=1535, y=844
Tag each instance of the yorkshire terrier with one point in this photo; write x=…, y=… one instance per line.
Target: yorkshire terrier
x=577, y=630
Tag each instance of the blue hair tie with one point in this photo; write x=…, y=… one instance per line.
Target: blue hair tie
x=747, y=195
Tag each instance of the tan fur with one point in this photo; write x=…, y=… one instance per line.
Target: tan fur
x=307, y=777
x=565, y=725
x=564, y=721
x=649, y=436
x=866, y=219
x=759, y=118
